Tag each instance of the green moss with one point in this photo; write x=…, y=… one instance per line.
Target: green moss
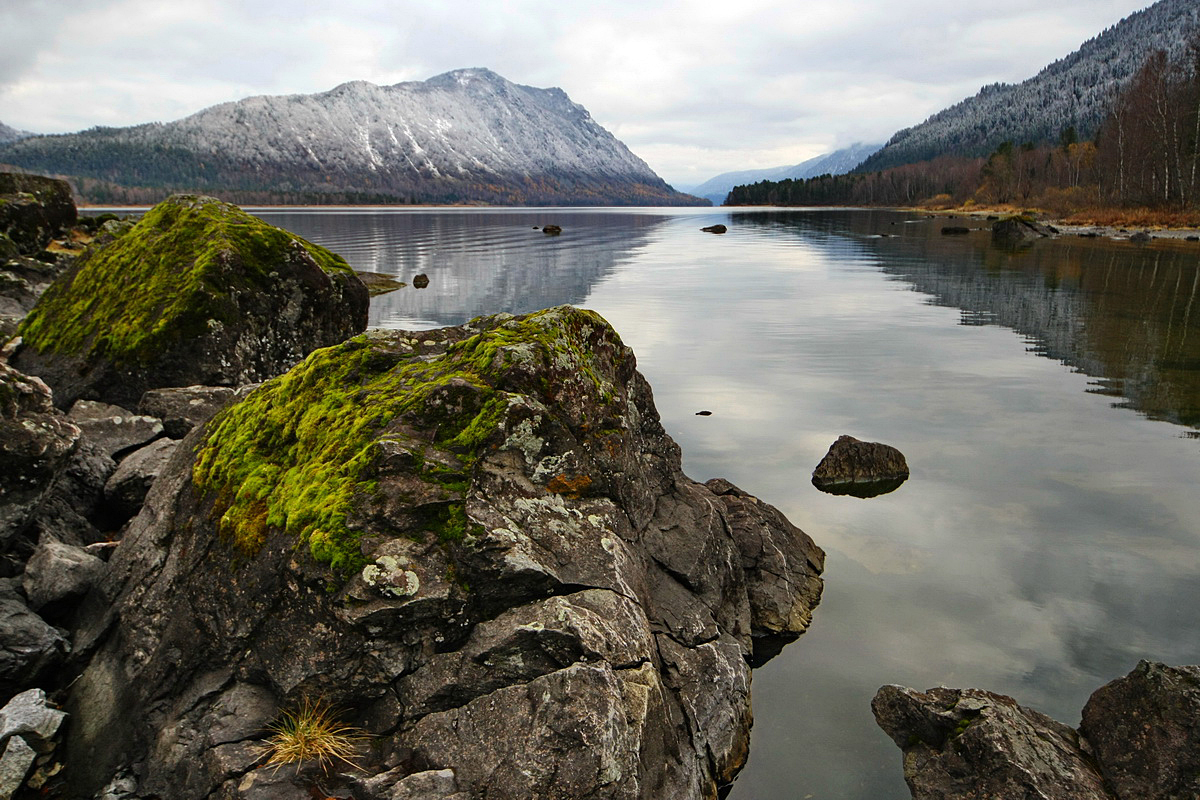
x=300, y=452
x=169, y=277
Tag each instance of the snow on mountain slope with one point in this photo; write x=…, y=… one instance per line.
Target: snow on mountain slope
x=1073, y=91
x=467, y=135
x=8, y=134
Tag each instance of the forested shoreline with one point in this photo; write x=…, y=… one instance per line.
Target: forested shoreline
x=1145, y=155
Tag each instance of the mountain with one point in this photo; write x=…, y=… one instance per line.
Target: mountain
x=838, y=162
x=465, y=136
x=1074, y=91
x=8, y=134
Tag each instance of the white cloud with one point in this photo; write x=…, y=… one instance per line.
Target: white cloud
x=695, y=87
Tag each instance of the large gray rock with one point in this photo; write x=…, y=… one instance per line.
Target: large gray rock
x=182, y=408
x=968, y=743
x=1139, y=740
x=58, y=572
x=29, y=646
x=29, y=716
x=126, y=489
x=1145, y=732
x=476, y=542
x=36, y=444
x=197, y=292
x=860, y=469
x=15, y=762
x=1020, y=229
x=33, y=208
x=113, y=429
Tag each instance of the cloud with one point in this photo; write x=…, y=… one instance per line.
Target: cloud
x=695, y=87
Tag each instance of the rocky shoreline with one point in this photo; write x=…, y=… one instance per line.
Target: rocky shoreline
x=468, y=558
x=472, y=551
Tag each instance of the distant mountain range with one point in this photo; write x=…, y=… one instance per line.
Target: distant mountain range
x=467, y=136
x=1071, y=92
x=838, y=162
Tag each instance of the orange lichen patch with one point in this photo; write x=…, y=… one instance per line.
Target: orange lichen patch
x=569, y=487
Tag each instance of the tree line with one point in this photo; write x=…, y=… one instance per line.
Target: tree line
x=1146, y=153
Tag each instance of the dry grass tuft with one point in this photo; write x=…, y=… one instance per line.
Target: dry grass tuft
x=311, y=733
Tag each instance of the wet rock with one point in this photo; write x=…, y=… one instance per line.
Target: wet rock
x=955, y=230
x=112, y=429
x=1144, y=730
x=487, y=556
x=715, y=229
x=29, y=646
x=860, y=469
x=1141, y=237
x=1019, y=229
x=551, y=230
x=961, y=743
x=36, y=444
x=59, y=572
x=126, y=490
x=33, y=209
x=1139, y=740
x=378, y=283
x=183, y=408
x=420, y=281
x=196, y=293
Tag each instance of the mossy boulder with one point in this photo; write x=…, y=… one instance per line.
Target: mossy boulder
x=33, y=209
x=478, y=543
x=197, y=292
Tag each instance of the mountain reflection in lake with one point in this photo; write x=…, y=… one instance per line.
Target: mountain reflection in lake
x=1049, y=536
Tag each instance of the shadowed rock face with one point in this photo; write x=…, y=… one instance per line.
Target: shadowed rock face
x=478, y=544
x=1139, y=740
x=197, y=292
x=33, y=208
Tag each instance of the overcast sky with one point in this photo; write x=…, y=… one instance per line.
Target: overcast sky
x=694, y=87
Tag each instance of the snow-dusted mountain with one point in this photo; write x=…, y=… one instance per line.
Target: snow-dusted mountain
x=838, y=162
x=8, y=134
x=465, y=136
x=1073, y=91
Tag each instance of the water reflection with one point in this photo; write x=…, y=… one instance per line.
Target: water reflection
x=477, y=262
x=1045, y=542
x=1118, y=311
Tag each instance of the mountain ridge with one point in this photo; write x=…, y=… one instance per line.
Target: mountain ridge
x=1072, y=91
x=468, y=135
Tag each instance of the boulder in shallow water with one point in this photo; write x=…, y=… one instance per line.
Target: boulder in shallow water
x=197, y=292
x=860, y=469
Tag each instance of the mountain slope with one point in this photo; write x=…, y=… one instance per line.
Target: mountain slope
x=465, y=136
x=838, y=162
x=8, y=134
x=1073, y=91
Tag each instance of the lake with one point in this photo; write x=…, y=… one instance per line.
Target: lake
x=1047, y=400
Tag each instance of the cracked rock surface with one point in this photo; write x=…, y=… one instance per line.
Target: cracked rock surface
x=503, y=581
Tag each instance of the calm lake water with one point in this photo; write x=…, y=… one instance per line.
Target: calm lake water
x=1047, y=400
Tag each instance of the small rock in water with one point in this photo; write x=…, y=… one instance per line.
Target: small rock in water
x=860, y=469
x=703, y=413
x=1140, y=237
x=955, y=230
x=551, y=230
x=420, y=281
x=715, y=229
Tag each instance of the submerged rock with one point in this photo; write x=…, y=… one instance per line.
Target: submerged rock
x=1139, y=740
x=478, y=543
x=1017, y=229
x=860, y=469
x=197, y=292
x=714, y=229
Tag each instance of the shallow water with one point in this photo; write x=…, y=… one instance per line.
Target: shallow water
x=1047, y=400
